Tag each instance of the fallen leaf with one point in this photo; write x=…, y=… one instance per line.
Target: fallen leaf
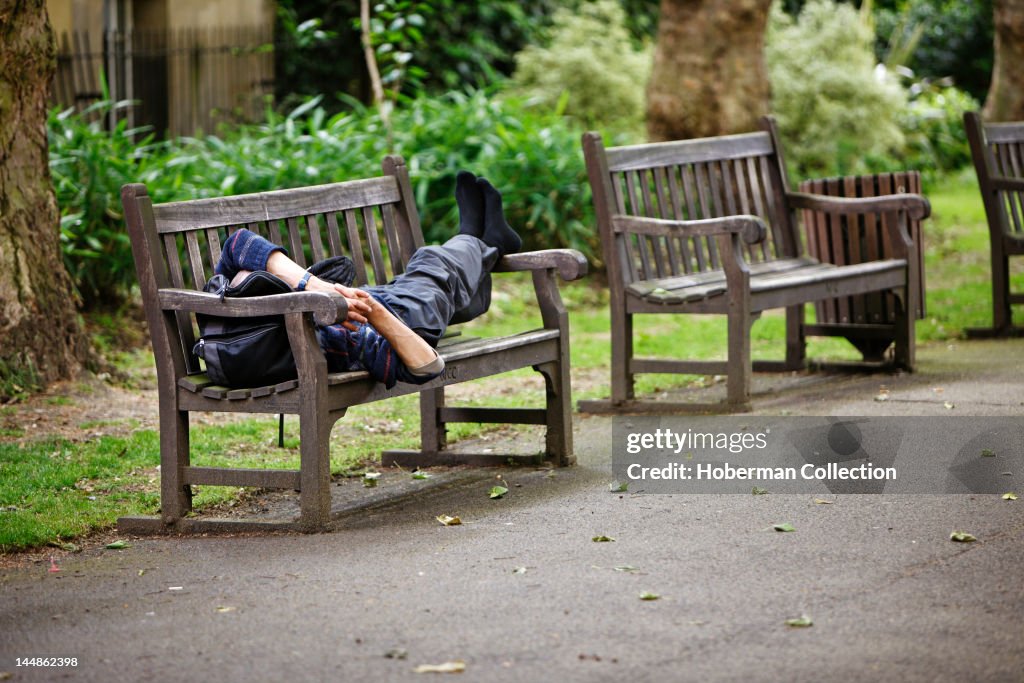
x=986, y=453
x=822, y=501
x=962, y=537
x=646, y=595
x=602, y=539
x=420, y=475
x=225, y=609
x=1010, y=496
x=800, y=622
x=519, y=570
x=626, y=568
x=758, y=491
x=882, y=397
x=370, y=479
x=396, y=653
x=785, y=526
x=616, y=487
x=117, y=545
x=69, y=547
x=448, y=521
x=141, y=572
x=498, y=491
x=458, y=666
x=948, y=406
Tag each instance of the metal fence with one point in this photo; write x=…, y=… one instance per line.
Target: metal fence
x=182, y=81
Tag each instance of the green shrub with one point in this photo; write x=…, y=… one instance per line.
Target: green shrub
x=934, y=126
x=838, y=114
x=955, y=39
x=88, y=165
x=591, y=57
x=529, y=152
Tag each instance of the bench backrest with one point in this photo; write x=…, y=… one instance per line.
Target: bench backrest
x=688, y=180
x=998, y=152
x=372, y=221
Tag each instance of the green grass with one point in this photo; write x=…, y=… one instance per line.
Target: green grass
x=58, y=490
x=55, y=490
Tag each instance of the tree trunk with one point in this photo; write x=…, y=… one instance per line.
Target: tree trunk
x=709, y=75
x=1005, y=101
x=40, y=335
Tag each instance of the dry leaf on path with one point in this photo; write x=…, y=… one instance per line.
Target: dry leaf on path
x=458, y=666
x=448, y=521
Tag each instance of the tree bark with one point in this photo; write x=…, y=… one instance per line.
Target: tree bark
x=1005, y=101
x=709, y=75
x=40, y=333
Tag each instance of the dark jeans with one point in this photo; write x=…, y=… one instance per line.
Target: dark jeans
x=442, y=285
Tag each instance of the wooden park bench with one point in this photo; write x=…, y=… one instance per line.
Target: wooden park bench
x=373, y=221
x=709, y=226
x=998, y=153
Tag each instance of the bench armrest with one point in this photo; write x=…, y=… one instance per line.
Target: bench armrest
x=916, y=206
x=1001, y=182
x=326, y=308
x=750, y=228
x=570, y=264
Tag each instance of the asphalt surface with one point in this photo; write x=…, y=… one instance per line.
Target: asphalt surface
x=520, y=591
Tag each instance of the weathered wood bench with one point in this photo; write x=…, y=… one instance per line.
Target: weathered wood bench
x=998, y=153
x=867, y=320
x=708, y=226
x=373, y=221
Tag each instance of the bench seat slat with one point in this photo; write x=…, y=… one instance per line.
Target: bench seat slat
x=645, y=287
x=768, y=280
x=452, y=348
x=461, y=349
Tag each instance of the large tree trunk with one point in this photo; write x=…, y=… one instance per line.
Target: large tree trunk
x=1005, y=101
x=40, y=336
x=709, y=74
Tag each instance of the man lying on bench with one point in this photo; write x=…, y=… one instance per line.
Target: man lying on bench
x=391, y=330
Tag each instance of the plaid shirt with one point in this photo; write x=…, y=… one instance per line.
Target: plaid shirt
x=346, y=350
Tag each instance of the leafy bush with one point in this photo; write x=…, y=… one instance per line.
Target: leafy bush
x=956, y=39
x=468, y=44
x=838, y=114
x=89, y=165
x=934, y=127
x=529, y=152
x=591, y=57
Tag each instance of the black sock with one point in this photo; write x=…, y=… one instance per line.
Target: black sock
x=497, y=232
x=471, y=205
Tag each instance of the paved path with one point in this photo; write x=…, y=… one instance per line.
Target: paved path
x=520, y=592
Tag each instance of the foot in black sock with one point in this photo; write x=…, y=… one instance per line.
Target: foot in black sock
x=471, y=205
x=497, y=232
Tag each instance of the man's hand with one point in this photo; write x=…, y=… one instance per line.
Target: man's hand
x=360, y=304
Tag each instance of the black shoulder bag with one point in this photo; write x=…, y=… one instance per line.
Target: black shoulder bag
x=252, y=352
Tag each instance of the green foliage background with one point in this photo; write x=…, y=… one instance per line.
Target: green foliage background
x=584, y=66
x=590, y=60
x=529, y=152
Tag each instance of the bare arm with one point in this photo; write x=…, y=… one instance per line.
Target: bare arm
x=412, y=349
